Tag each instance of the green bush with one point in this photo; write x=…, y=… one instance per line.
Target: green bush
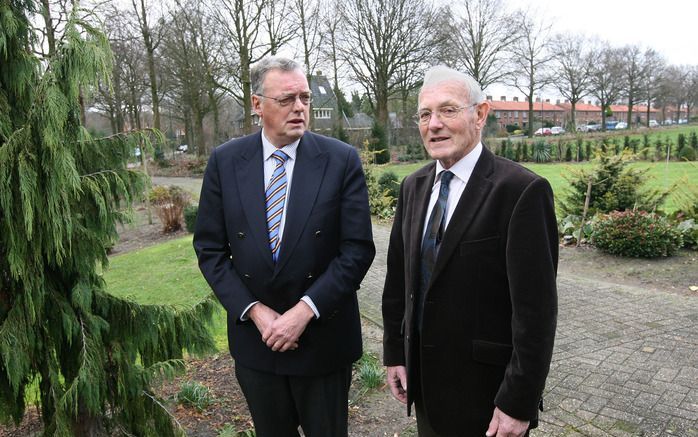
x=190, y=213
x=615, y=187
x=541, y=151
x=195, y=394
x=635, y=234
x=369, y=371
x=169, y=203
x=382, y=205
x=687, y=154
x=389, y=184
x=689, y=233
x=379, y=144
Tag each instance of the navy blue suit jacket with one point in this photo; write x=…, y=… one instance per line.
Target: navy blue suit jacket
x=326, y=249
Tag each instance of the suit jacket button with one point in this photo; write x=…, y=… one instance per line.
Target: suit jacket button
x=317, y=234
x=241, y=235
x=411, y=296
x=247, y=276
x=310, y=276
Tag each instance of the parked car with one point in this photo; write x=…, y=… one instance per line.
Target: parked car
x=653, y=123
x=683, y=121
x=668, y=122
x=621, y=125
x=543, y=131
x=557, y=130
x=183, y=148
x=593, y=127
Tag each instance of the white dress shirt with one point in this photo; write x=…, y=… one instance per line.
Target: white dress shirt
x=461, y=171
x=269, y=165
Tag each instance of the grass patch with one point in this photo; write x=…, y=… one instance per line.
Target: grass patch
x=194, y=394
x=369, y=371
x=164, y=273
x=662, y=175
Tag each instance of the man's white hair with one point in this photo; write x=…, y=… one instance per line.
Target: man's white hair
x=442, y=73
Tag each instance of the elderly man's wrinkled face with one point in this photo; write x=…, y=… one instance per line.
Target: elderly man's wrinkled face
x=453, y=128
x=283, y=123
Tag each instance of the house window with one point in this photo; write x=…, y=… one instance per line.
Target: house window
x=516, y=114
x=322, y=114
x=322, y=89
x=497, y=114
x=525, y=115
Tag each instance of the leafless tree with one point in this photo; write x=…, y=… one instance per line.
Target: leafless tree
x=383, y=38
x=530, y=58
x=151, y=35
x=482, y=35
x=572, y=62
x=607, y=79
x=651, y=85
x=279, y=29
x=636, y=71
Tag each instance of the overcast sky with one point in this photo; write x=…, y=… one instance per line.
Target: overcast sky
x=669, y=26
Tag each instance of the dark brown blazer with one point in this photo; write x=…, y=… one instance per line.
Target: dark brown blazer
x=491, y=307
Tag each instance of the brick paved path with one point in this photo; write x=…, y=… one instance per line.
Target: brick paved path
x=625, y=360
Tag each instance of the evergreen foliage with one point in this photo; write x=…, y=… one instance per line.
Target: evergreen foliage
x=379, y=144
x=62, y=192
x=615, y=187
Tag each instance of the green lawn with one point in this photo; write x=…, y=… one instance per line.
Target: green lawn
x=164, y=273
x=662, y=175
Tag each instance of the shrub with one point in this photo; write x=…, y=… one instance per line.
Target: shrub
x=615, y=187
x=635, y=234
x=687, y=154
x=169, y=203
x=195, y=394
x=190, y=213
x=541, y=151
x=689, y=233
x=379, y=144
x=389, y=184
x=381, y=204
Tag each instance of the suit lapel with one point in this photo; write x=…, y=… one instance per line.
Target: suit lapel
x=250, y=182
x=308, y=173
x=476, y=191
x=417, y=216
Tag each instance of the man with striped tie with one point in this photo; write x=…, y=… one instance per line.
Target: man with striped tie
x=283, y=237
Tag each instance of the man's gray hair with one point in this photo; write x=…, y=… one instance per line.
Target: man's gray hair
x=260, y=69
x=441, y=73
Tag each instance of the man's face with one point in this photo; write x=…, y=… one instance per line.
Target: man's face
x=283, y=124
x=448, y=140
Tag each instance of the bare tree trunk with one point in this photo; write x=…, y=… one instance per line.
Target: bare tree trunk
x=584, y=213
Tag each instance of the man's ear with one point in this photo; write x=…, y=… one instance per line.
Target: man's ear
x=257, y=105
x=483, y=109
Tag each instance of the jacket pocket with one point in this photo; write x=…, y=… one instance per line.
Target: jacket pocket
x=489, y=352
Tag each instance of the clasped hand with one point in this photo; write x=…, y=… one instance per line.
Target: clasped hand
x=281, y=332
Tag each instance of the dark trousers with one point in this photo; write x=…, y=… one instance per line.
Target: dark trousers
x=279, y=404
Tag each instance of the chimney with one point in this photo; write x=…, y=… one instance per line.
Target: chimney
x=537, y=99
x=557, y=102
x=489, y=98
x=547, y=100
x=503, y=98
x=525, y=99
x=516, y=99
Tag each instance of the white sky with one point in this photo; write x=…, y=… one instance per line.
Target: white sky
x=670, y=26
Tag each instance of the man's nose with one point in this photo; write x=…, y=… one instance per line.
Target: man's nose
x=435, y=122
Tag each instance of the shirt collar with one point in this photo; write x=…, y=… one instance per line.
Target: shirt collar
x=464, y=167
x=268, y=148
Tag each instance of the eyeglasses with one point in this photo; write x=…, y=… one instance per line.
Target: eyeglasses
x=290, y=99
x=443, y=113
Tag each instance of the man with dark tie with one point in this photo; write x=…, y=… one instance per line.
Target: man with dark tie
x=283, y=237
x=470, y=301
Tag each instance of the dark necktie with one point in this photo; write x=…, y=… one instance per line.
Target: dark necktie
x=432, y=241
x=276, y=198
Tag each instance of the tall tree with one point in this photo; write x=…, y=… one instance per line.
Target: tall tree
x=383, y=37
x=482, y=35
x=307, y=14
x=530, y=58
x=607, y=79
x=62, y=192
x=651, y=85
x=636, y=65
x=151, y=36
x=573, y=60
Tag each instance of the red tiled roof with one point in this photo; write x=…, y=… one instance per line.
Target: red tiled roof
x=523, y=106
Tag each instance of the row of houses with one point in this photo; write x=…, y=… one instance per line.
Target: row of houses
x=515, y=112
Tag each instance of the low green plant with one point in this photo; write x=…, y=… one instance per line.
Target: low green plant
x=229, y=430
x=194, y=394
x=382, y=205
x=634, y=233
x=369, y=371
x=190, y=213
x=541, y=151
x=389, y=184
x=689, y=233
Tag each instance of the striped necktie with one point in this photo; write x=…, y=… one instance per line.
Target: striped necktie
x=276, y=198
